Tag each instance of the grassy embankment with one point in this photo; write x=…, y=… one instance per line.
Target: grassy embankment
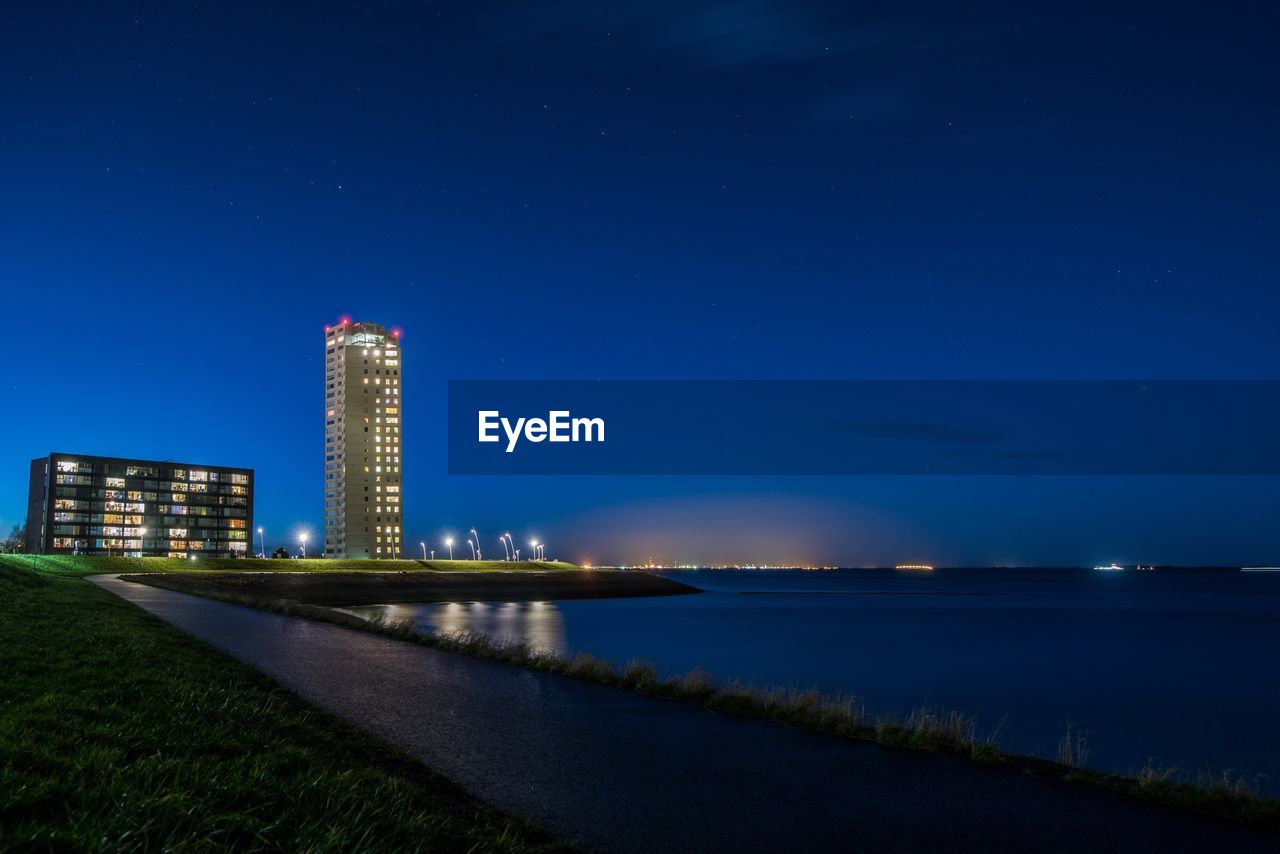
x=85, y=565
x=339, y=589
x=119, y=732
x=365, y=582
x=925, y=729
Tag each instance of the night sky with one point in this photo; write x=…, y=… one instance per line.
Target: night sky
x=190, y=192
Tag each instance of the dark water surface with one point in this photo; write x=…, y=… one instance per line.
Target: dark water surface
x=1173, y=668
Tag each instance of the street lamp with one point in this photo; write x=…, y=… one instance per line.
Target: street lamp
x=533, y=544
x=142, y=541
x=471, y=543
x=262, y=542
x=302, y=538
x=449, y=542
x=424, y=550
x=506, y=553
x=479, y=554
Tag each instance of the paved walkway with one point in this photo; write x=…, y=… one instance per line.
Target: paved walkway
x=621, y=772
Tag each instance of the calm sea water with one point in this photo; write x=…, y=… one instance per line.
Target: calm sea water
x=1175, y=668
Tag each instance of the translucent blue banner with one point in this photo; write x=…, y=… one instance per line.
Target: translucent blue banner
x=864, y=427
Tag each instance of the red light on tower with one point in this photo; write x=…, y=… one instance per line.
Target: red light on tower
x=396, y=333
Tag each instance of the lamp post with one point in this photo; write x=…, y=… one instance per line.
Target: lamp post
x=142, y=542
x=506, y=553
x=302, y=538
x=479, y=553
x=424, y=550
x=533, y=544
x=471, y=543
x=262, y=543
x=449, y=542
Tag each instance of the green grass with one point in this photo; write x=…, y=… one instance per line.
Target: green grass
x=118, y=732
x=940, y=731
x=86, y=565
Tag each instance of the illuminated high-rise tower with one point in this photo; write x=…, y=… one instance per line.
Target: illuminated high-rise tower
x=362, y=421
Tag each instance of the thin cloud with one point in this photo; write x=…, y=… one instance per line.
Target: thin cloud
x=712, y=34
x=914, y=431
x=868, y=102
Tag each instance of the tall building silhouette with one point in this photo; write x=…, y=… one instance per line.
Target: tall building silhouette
x=362, y=421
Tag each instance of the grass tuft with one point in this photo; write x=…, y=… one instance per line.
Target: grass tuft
x=640, y=676
x=696, y=685
x=1073, y=749
x=586, y=666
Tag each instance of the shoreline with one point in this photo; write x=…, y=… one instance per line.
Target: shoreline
x=926, y=730
x=549, y=749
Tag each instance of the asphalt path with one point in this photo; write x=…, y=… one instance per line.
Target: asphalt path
x=617, y=771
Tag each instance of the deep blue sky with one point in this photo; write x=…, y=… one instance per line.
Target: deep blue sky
x=190, y=192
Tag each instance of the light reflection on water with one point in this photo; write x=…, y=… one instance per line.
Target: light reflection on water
x=540, y=624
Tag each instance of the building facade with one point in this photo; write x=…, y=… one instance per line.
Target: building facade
x=80, y=504
x=362, y=429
